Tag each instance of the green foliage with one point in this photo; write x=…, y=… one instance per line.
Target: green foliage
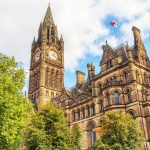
x=75, y=138
x=121, y=132
x=13, y=105
x=48, y=130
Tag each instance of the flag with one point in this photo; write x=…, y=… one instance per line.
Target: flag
x=113, y=24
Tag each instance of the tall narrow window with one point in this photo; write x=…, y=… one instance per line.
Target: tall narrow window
x=93, y=135
x=129, y=96
x=73, y=116
x=83, y=111
x=126, y=76
x=78, y=112
x=88, y=111
x=110, y=63
x=107, y=64
x=101, y=106
x=52, y=32
x=108, y=99
x=93, y=109
x=116, y=98
x=48, y=35
x=100, y=88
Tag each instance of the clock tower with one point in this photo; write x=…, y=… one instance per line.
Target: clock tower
x=47, y=63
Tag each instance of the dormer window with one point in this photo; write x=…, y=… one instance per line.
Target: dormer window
x=109, y=63
x=126, y=76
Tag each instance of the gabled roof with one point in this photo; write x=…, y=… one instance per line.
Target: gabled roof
x=108, y=51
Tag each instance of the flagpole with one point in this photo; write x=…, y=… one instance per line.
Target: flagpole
x=118, y=36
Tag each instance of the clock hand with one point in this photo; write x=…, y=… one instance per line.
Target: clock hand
x=54, y=55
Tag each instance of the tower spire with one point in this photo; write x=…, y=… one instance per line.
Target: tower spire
x=48, y=19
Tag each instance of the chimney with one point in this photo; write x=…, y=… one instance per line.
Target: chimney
x=80, y=77
x=137, y=37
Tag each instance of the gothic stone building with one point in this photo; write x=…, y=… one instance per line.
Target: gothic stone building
x=123, y=82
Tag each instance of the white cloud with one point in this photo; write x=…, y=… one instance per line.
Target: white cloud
x=80, y=22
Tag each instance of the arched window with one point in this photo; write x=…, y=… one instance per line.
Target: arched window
x=73, y=116
x=91, y=135
x=101, y=106
x=78, y=112
x=110, y=63
x=52, y=32
x=108, y=99
x=137, y=76
x=46, y=77
x=126, y=76
x=129, y=95
x=116, y=98
x=88, y=111
x=132, y=114
x=144, y=95
x=83, y=112
x=93, y=109
x=100, y=88
x=57, y=79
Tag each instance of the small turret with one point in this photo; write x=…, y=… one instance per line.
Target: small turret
x=138, y=43
x=91, y=71
x=33, y=43
x=80, y=77
x=139, y=47
x=61, y=43
x=40, y=32
x=129, y=52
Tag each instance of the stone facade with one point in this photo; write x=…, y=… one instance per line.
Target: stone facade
x=123, y=83
x=47, y=63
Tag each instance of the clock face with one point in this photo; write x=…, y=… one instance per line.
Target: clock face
x=53, y=55
x=37, y=56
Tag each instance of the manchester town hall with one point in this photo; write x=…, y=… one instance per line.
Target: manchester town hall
x=123, y=82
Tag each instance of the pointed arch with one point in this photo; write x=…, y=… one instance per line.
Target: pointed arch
x=116, y=97
x=93, y=111
x=108, y=99
x=91, y=135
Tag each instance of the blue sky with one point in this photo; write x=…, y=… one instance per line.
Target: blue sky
x=84, y=27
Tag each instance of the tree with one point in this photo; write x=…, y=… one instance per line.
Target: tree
x=75, y=138
x=48, y=130
x=120, y=132
x=13, y=105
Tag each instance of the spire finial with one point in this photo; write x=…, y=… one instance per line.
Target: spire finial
x=106, y=42
x=61, y=38
x=127, y=45
x=48, y=17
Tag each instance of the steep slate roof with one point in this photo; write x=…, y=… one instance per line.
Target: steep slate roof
x=75, y=94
